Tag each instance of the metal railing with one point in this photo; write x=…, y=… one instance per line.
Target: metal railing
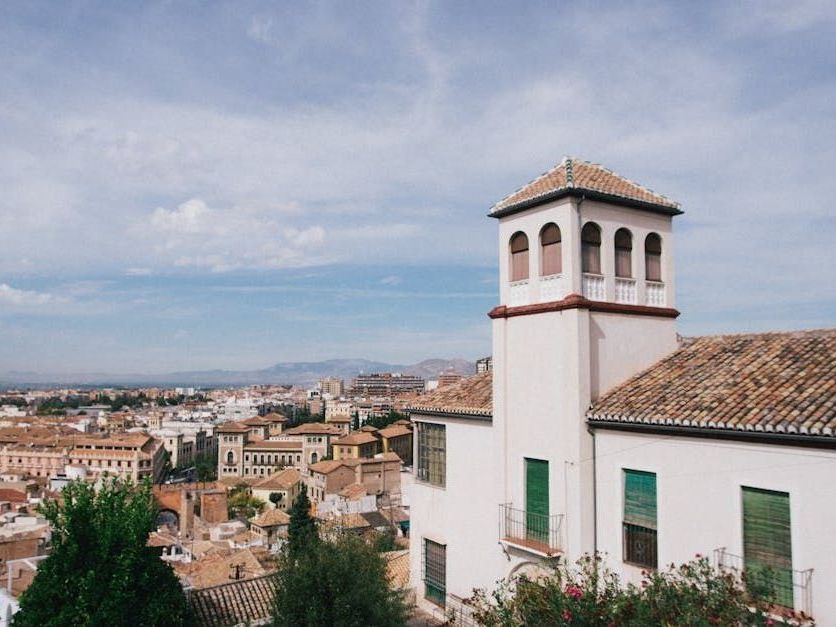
x=796, y=587
x=538, y=533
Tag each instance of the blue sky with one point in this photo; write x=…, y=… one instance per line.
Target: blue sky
x=228, y=185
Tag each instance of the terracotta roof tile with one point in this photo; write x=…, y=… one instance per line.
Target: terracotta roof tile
x=355, y=439
x=234, y=603
x=314, y=428
x=393, y=431
x=473, y=395
x=283, y=480
x=271, y=518
x=768, y=382
x=397, y=568
x=576, y=174
x=326, y=467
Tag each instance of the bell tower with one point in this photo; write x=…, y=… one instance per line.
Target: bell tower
x=586, y=286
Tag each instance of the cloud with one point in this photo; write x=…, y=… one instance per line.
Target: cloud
x=24, y=298
x=392, y=279
x=195, y=235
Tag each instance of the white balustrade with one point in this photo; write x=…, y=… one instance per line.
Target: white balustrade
x=654, y=293
x=552, y=288
x=593, y=287
x=519, y=293
x=625, y=291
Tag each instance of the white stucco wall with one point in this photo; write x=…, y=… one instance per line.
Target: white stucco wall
x=463, y=514
x=698, y=483
x=570, y=215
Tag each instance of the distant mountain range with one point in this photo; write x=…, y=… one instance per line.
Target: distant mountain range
x=297, y=373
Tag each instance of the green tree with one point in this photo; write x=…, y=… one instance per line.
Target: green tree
x=100, y=571
x=340, y=582
x=242, y=504
x=206, y=467
x=302, y=532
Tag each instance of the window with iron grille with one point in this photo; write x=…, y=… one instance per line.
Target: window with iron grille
x=639, y=523
x=432, y=453
x=435, y=572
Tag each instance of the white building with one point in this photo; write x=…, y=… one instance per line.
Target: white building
x=597, y=430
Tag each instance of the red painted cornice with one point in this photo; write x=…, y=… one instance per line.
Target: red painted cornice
x=576, y=301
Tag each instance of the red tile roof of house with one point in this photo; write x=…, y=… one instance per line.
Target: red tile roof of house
x=356, y=438
x=394, y=431
x=231, y=427
x=314, y=428
x=283, y=480
x=578, y=176
x=782, y=383
x=472, y=396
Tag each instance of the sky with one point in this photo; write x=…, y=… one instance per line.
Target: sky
x=198, y=185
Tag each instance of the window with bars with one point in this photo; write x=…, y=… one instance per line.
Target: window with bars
x=639, y=523
x=432, y=453
x=767, y=543
x=435, y=572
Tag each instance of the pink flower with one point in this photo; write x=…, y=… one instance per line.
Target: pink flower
x=574, y=592
x=769, y=622
x=567, y=616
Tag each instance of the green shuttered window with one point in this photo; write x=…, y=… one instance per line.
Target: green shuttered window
x=432, y=453
x=435, y=572
x=537, y=499
x=639, y=525
x=767, y=541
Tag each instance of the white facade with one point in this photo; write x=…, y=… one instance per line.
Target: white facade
x=554, y=354
x=699, y=483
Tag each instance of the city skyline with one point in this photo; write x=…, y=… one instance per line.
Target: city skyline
x=235, y=186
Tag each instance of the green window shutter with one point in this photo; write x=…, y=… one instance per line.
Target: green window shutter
x=640, y=498
x=537, y=486
x=767, y=540
x=537, y=500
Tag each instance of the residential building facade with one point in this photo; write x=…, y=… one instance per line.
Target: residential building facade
x=561, y=449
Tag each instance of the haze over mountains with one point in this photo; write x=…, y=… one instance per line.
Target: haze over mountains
x=298, y=373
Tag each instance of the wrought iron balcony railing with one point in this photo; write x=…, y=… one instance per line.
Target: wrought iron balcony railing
x=790, y=589
x=537, y=533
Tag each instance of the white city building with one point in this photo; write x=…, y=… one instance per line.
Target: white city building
x=598, y=429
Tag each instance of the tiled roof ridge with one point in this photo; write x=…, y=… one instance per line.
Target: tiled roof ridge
x=531, y=182
x=780, y=382
x=568, y=164
x=644, y=188
x=743, y=335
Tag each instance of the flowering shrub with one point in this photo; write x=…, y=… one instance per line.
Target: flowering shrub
x=589, y=595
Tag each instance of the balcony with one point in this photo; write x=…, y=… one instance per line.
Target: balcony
x=625, y=291
x=791, y=589
x=552, y=287
x=654, y=293
x=535, y=533
x=593, y=287
x=519, y=293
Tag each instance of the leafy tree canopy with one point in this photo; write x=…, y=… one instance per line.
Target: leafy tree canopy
x=302, y=532
x=101, y=571
x=340, y=582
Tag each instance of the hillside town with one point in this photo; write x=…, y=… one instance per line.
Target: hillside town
x=226, y=466
x=417, y=314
